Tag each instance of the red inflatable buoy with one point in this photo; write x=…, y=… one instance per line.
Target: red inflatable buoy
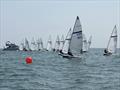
x=28, y=60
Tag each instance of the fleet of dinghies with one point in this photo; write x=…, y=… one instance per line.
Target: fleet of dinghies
x=33, y=46
x=75, y=42
x=74, y=45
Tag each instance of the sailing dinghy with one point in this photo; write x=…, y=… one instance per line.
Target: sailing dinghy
x=89, y=42
x=65, y=48
x=49, y=44
x=74, y=49
x=33, y=45
x=62, y=41
x=26, y=46
x=57, y=44
x=112, y=43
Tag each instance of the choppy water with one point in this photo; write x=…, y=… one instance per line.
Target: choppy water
x=50, y=71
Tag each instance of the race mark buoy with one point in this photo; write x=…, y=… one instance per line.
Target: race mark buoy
x=28, y=60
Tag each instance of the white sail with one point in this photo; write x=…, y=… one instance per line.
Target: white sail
x=41, y=44
x=85, y=44
x=89, y=42
x=38, y=45
x=27, y=44
x=67, y=42
x=49, y=44
x=57, y=44
x=22, y=45
x=33, y=44
x=61, y=43
x=112, y=44
x=76, y=42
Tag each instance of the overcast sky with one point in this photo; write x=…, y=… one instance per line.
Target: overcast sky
x=41, y=18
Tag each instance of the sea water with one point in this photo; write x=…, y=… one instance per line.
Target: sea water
x=49, y=71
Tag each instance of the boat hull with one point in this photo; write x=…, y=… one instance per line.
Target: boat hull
x=107, y=54
x=69, y=56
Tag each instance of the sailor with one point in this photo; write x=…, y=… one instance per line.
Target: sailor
x=107, y=52
x=69, y=52
x=81, y=51
x=54, y=49
x=61, y=52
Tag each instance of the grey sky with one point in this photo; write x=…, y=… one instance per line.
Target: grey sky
x=34, y=18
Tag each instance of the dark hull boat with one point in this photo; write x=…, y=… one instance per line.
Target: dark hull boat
x=11, y=47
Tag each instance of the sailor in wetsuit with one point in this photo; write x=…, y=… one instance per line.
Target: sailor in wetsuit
x=61, y=52
x=69, y=52
x=107, y=52
x=81, y=51
x=54, y=50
